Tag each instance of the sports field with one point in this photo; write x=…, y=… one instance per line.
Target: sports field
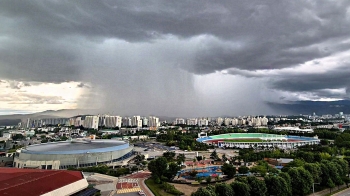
x=244, y=140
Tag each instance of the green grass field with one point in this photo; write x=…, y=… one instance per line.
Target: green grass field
x=155, y=188
x=244, y=140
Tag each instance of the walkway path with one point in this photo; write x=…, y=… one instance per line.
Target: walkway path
x=344, y=192
x=145, y=188
x=326, y=191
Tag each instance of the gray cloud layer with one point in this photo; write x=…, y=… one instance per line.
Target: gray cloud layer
x=135, y=51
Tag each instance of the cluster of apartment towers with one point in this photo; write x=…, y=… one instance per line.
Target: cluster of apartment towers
x=250, y=121
x=95, y=121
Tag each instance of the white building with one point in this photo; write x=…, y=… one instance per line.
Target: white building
x=219, y=121
x=227, y=121
x=91, y=122
x=153, y=121
x=126, y=121
x=180, y=121
x=144, y=121
x=136, y=121
x=192, y=121
x=112, y=121
x=234, y=122
x=203, y=122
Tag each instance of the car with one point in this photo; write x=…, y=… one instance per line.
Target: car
x=141, y=193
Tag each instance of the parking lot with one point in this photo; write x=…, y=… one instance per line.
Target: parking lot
x=153, y=146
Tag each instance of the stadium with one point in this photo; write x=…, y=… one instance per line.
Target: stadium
x=257, y=140
x=76, y=153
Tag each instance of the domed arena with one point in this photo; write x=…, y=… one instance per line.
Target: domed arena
x=76, y=153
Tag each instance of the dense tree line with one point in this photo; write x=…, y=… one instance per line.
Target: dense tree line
x=293, y=181
x=186, y=141
x=104, y=169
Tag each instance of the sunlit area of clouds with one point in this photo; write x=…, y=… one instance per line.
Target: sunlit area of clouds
x=28, y=97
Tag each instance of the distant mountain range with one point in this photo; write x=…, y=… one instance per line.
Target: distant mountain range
x=292, y=108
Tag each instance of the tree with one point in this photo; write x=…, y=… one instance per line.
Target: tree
x=172, y=171
x=214, y=155
x=342, y=140
x=330, y=184
x=296, y=179
x=259, y=169
x=257, y=187
x=240, y=188
x=228, y=170
x=199, y=179
x=169, y=155
x=199, y=158
x=223, y=189
x=18, y=137
x=243, y=170
x=276, y=185
x=288, y=180
x=302, y=181
x=193, y=173
x=224, y=158
x=158, y=167
x=139, y=158
x=204, y=192
x=180, y=158
x=324, y=142
x=315, y=171
x=208, y=179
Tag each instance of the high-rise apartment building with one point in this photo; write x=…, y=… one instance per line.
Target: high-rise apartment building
x=91, y=122
x=112, y=121
x=219, y=121
x=192, y=121
x=127, y=122
x=180, y=121
x=136, y=121
x=203, y=122
x=153, y=121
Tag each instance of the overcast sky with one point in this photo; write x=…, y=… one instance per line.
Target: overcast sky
x=173, y=58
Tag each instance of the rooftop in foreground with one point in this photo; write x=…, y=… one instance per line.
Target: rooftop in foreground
x=14, y=181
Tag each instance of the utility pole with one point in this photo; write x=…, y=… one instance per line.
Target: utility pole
x=313, y=188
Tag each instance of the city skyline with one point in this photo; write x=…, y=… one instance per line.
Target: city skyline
x=172, y=58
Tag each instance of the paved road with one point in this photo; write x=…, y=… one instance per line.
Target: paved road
x=345, y=192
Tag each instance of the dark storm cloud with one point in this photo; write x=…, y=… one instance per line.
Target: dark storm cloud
x=264, y=35
x=57, y=41
x=333, y=79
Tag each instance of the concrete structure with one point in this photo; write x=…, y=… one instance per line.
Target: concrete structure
x=62, y=155
x=293, y=129
x=258, y=140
